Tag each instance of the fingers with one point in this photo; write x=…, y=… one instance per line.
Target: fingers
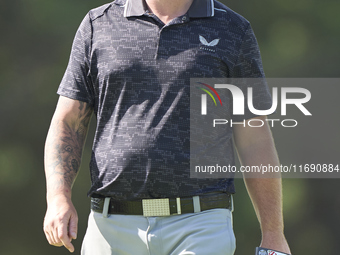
x=60, y=231
x=56, y=240
x=64, y=238
x=73, y=227
x=52, y=236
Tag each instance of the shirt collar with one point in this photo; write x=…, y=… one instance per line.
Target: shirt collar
x=198, y=8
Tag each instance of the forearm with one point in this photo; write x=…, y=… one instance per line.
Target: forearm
x=265, y=190
x=256, y=147
x=268, y=205
x=266, y=195
x=63, y=148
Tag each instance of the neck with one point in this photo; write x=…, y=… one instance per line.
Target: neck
x=167, y=10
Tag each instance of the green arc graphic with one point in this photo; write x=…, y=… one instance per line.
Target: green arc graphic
x=209, y=95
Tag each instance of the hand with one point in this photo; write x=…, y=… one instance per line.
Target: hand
x=60, y=223
x=275, y=241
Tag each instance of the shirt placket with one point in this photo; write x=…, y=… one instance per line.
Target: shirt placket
x=164, y=34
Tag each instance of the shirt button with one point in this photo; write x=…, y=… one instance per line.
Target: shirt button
x=184, y=18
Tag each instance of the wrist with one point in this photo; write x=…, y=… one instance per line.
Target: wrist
x=275, y=240
x=272, y=233
x=61, y=195
x=272, y=237
x=272, y=228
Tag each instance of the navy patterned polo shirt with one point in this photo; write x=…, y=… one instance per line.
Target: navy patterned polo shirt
x=136, y=71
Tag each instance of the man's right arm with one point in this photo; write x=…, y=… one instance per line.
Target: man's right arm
x=63, y=150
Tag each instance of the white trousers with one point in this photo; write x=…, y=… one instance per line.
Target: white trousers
x=207, y=232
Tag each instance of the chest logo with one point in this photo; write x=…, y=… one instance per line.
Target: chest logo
x=208, y=46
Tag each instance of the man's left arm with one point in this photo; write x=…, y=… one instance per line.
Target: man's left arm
x=255, y=146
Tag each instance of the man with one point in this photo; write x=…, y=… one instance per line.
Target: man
x=131, y=64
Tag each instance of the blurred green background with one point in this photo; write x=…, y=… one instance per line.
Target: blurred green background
x=297, y=39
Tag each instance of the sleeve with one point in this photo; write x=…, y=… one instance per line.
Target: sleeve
x=248, y=72
x=249, y=62
x=76, y=82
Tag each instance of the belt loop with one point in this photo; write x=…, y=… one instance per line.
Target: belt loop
x=178, y=201
x=197, y=205
x=106, y=207
x=231, y=203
